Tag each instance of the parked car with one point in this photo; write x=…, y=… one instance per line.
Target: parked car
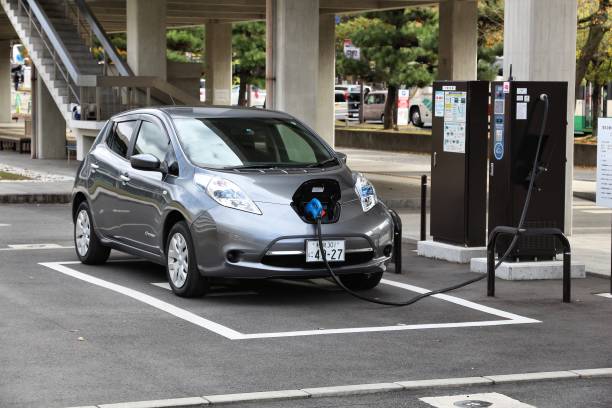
x=353, y=88
x=374, y=106
x=221, y=192
x=340, y=105
x=258, y=96
x=420, y=106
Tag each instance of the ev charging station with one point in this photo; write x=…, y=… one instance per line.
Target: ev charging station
x=517, y=115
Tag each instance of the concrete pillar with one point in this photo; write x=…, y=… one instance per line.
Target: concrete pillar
x=293, y=64
x=540, y=43
x=5, y=81
x=218, y=63
x=458, y=43
x=146, y=37
x=50, y=125
x=327, y=76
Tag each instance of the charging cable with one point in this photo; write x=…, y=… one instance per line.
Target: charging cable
x=315, y=209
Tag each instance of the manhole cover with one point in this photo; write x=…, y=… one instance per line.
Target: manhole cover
x=472, y=404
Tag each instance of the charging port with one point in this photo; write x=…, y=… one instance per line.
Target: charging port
x=326, y=191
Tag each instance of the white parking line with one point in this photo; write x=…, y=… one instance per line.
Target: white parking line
x=166, y=285
x=606, y=295
x=508, y=318
x=24, y=247
x=5, y=225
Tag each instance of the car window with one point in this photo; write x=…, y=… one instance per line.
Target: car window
x=340, y=97
x=236, y=142
x=296, y=148
x=119, y=138
x=152, y=140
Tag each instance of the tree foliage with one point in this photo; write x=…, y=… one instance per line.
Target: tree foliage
x=249, y=55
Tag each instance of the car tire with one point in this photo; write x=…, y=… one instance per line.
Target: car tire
x=362, y=281
x=181, y=266
x=415, y=117
x=88, y=247
x=382, y=118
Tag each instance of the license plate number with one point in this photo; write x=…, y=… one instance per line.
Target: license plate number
x=334, y=250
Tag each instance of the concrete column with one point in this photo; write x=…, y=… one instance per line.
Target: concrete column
x=146, y=37
x=218, y=63
x=327, y=75
x=458, y=43
x=50, y=125
x=540, y=43
x=5, y=81
x=293, y=73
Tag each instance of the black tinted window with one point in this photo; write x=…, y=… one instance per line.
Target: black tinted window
x=152, y=140
x=119, y=139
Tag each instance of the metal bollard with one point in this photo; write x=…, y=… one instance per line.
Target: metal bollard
x=423, y=207
x=397, y=241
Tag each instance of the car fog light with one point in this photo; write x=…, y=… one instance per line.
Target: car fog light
x=233, y=256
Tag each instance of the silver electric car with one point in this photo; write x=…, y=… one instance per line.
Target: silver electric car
x=221, y=192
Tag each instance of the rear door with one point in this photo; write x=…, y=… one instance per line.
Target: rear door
x=108, y=162
x=144, y=192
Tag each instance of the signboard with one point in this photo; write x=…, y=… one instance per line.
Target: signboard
x=350, y=51
x=402, y=107
x=604, y=162
x=455, y=104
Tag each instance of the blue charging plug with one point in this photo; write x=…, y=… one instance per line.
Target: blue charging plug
x=314, y=209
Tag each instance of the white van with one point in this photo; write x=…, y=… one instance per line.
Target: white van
x=420, y=106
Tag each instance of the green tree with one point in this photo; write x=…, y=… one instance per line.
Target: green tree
x=397, y=47
x=594, y=50
x=249, y=55
x=490, y=37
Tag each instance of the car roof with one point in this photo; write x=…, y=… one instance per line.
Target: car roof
x=208, y=112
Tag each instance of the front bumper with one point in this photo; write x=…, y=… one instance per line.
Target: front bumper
x=272, y=245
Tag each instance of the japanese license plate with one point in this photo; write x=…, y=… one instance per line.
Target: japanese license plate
x=334, y=250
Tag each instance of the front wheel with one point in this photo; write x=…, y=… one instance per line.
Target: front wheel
x=362, y=281
x=89, y=249
x=415, y=118
x=181, y=266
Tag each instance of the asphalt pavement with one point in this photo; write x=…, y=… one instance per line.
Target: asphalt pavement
x=75, y=335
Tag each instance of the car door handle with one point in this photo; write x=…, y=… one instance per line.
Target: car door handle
x=125, y=178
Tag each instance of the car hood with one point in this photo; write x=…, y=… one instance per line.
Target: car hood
x=277, y=186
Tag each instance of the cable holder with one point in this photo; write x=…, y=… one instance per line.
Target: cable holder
x=516, y=232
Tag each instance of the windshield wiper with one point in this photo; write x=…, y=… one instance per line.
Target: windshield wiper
x=324, y=162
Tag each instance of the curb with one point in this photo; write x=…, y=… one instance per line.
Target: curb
x=345, y=390
x=51, y=198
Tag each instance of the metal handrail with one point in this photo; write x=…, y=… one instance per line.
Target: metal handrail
x=110, y=50
x=29, y=11
x=56, y=42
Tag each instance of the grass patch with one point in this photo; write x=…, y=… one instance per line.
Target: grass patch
x=4, y=176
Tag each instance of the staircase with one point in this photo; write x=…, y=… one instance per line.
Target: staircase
x=58, y=34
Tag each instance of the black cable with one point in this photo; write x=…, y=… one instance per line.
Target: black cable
x=534, y=172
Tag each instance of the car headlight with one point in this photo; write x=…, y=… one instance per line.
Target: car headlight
x=366, y=192
x=226, y=193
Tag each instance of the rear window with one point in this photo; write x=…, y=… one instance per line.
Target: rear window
x=340, y=98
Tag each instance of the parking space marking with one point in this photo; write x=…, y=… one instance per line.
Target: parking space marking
x=508, y=318
x=606, y=295
x=144, y=298
x=5, y=225
x=488, y=399
x=166, y=285
x=23, y=247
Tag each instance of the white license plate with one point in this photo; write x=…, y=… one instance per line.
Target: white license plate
x=334, y=250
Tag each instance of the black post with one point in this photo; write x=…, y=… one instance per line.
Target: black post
x=567, y=278
x=491, y=268
x=423, y=207
x=397, y=241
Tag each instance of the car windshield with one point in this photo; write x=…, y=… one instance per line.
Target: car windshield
x=250, y=142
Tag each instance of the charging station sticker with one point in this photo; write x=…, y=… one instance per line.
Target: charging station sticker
x=498, y=151
x=439, y=104
x=454, y=137
x=521, y=110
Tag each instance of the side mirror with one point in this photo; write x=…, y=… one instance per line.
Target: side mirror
x=341, y=156
x=146, y=162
